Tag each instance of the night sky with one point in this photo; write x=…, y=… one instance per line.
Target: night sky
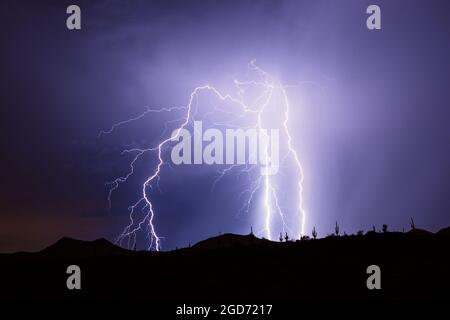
x=371, y=112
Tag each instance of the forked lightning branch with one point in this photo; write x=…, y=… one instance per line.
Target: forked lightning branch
x=264, y=143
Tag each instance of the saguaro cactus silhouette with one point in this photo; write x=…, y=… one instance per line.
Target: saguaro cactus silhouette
x=286, y=237
x=314, y=233
x=336, y=229
x=413, y=226
x=281, y=237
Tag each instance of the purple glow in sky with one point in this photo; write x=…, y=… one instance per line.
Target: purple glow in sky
x=370, y=108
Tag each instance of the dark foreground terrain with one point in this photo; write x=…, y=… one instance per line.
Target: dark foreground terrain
x=414, y=265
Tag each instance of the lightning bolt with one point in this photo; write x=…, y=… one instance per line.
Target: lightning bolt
x=263, y=182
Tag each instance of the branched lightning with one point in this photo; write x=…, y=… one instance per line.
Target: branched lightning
x=142, y=213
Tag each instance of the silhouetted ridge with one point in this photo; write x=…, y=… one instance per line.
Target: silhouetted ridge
x=419, y=232
x=72, y=247
x=445, y=231
x=230, y=266
x=228, y=240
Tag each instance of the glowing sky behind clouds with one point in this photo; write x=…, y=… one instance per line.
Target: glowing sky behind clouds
x=372, y=116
